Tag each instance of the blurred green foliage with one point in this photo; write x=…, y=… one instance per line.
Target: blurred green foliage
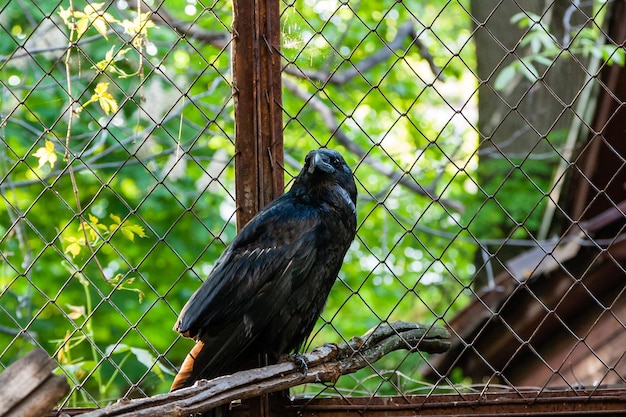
x=161, y=168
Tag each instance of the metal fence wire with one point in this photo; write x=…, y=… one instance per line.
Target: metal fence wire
x=486, y=139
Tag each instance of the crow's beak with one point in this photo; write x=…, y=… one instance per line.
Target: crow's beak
x=319, y=162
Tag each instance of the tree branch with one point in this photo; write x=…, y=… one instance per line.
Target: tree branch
x=329, y=119
x=217, y=39
x=406, y=30
x=221, y=39
x=325, y=364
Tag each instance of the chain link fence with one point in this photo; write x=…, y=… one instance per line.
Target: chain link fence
x=485, y=138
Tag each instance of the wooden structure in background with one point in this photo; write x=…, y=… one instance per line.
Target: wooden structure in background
x=553, y=320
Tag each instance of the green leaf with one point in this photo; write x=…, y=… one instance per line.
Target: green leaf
x=130, y=230
x=150, y=362
x=121, y=348
x=528, y=69
x=613, y=55
x=543, y=60
x=525, y=19
x=144, y=357
x=505, y=76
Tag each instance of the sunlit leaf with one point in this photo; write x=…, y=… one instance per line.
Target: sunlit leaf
x=121, y=348
x=138, y=28
x=116, y=219
x=65, y=14
x=93, y=227
x=46, y=154
x=81, y=27
x=150, y=362
x=108, y=63
x=75, y=245
x=75, y=312
x=128, y=229
x=92, y=15
x=105, y=99
x=63, y=354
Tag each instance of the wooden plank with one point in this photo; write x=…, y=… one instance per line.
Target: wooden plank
x=611, y=402
x=22, y=377
x=43, y=398
x=565, y=402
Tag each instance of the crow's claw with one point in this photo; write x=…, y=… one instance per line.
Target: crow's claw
x=300, y=361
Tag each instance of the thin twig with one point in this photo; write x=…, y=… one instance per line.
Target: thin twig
x=221, y=40
x=69, y=158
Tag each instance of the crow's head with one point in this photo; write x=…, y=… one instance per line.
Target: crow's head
x=326, y=168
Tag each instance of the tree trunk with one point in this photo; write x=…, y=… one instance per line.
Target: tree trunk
x=523, y=126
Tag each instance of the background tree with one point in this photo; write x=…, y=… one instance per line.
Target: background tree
x=536, y=62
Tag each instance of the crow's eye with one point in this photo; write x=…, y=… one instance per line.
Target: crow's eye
x=335, y=162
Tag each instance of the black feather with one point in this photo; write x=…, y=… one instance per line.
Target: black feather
x=270, y=285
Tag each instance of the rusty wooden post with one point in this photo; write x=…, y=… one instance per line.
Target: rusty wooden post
x=258, y=110
x=258, y=121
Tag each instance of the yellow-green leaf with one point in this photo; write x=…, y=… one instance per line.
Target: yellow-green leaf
x=108, y=104
x=138, y=28
x=101, y=26
x=65, y=14
x=81, y=27
x=75, y=245
x=116, y=219
x=93, y=226
x=108, y=63
x=104, y=98
x=130, y=230
x=46, y=154
x=93, y=16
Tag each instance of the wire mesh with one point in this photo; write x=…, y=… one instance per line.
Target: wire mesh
x=483, y=137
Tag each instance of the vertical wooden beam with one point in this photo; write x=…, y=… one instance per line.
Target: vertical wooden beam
x=258, y=105
x=258, y=121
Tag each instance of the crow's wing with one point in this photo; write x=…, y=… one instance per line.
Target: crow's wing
x=256, y=273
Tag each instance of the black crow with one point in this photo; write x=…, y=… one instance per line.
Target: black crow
x=270, y=285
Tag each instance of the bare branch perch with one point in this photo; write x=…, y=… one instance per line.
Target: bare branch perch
x=325, y=364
